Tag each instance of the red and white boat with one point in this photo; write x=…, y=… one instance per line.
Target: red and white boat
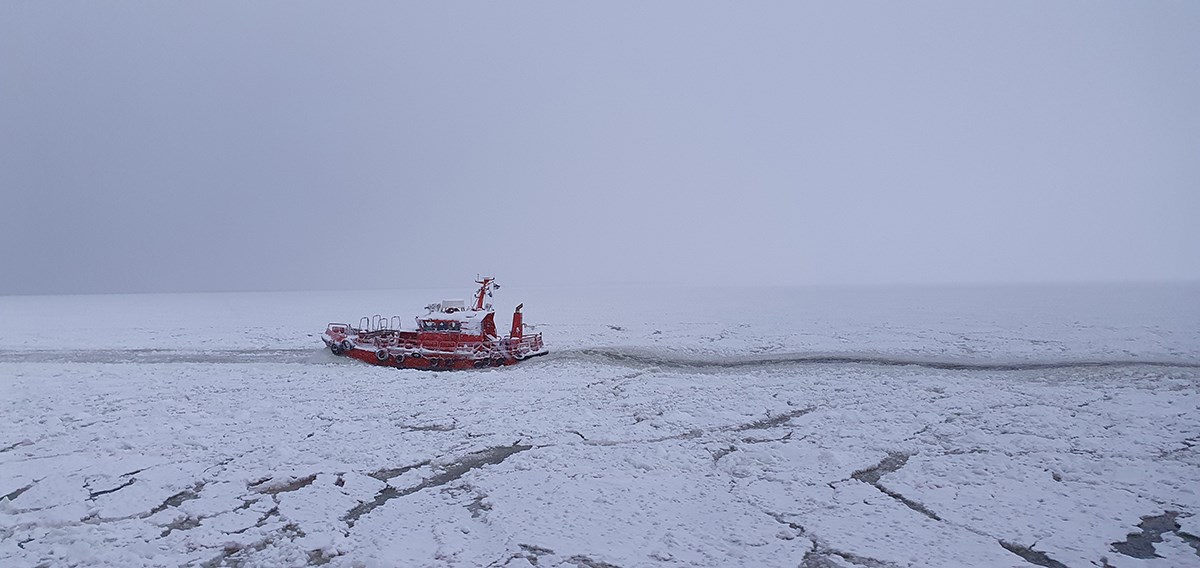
x=449, y=336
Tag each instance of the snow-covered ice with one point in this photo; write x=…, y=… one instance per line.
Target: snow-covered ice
x=1053, y=426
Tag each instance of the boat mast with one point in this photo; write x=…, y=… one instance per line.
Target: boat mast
x=485, y=285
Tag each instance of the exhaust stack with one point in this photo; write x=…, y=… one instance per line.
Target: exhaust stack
x=518, y=328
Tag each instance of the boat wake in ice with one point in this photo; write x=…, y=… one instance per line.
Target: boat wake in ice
x=624, y=356
x=666, y=359
x=294, y=356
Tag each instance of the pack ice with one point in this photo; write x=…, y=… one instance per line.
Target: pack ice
x=878, y=428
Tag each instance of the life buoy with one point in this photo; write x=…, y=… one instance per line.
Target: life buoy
x=382, y=355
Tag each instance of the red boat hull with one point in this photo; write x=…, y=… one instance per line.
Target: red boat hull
x=449, y=337
x=430, y=352
x=446, y=362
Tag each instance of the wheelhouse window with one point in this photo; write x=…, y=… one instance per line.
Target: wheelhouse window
x=429, y=325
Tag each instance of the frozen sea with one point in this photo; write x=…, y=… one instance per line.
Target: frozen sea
x=971, y=426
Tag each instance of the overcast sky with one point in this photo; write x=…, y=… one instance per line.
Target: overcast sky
x=196, y=146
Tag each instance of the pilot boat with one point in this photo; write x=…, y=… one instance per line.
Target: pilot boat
x=449, y=336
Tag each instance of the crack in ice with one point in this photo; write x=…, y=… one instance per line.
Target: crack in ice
x=1032, y=556
x=1141, y=544
x=890, y=464
x=17, y=493
x=94, y=494
x=450, y=472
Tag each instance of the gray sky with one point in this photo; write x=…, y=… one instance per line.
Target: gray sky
x=179, y=146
